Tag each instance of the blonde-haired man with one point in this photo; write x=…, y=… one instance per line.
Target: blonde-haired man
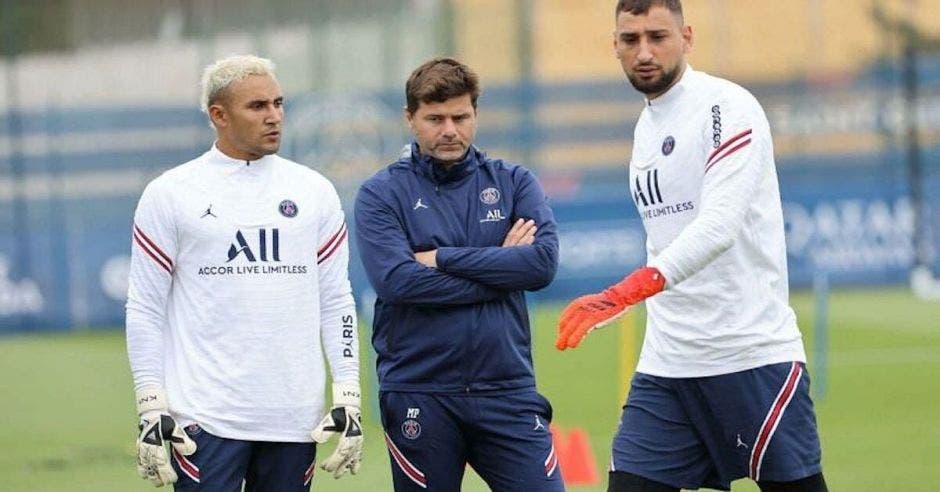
x=238, y=287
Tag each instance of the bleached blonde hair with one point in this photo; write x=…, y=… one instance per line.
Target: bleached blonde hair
x=218, y=76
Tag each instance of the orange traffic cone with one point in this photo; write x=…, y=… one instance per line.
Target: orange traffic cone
x=575, y=457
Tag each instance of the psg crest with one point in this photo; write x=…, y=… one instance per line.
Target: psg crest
x=668, y=144
x=489, y=196
x=411, y=429
x=288, y=208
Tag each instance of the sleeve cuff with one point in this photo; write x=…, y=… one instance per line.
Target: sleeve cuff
x=668, y=273
x=151, y=399
x=346, y=394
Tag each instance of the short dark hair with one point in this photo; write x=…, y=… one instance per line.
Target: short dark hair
x=440, y=79
x=640, y=7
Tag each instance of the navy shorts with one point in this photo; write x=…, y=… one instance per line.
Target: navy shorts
x=706, y=432
x=222, y=465
x=431, y=439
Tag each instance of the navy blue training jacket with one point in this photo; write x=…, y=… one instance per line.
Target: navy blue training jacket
x=464, y=326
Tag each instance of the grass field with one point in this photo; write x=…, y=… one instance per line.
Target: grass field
x=67, y=420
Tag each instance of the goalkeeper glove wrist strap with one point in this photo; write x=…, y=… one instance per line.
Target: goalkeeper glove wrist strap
x=346, y=394
x=642, y=283
x=151, y=399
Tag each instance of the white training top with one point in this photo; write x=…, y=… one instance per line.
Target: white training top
x=704, y=181
x=238, y=286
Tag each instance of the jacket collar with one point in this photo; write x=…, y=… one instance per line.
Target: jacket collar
x=667, y=100
x=427, y=166
x=216, y=156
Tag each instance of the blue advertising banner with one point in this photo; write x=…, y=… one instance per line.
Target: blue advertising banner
x=66, y=206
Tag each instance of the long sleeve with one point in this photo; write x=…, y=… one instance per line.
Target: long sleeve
x=153, y=253
x=529, y=267
x=338, y=328
x=391, y=267
x=733, y=172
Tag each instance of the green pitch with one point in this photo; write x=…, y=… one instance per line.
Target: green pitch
x=67, y=420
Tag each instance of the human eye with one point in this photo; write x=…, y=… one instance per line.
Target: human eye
x=629, y=38
x=279, y=102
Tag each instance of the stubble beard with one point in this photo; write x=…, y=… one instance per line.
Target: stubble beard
x=449, y=156
x=657, y=86
x=267, y=148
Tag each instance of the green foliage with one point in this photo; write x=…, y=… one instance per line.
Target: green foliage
x=69, y=424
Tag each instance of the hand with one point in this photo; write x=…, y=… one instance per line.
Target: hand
x=343, y=420
x=586, y=313
x=157, y=428
x=427, y=258
x=522, y=233
x=583, y=315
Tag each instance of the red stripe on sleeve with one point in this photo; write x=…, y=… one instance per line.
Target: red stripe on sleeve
x=726, y=145
x=726, y=154
x=154, y=246
x=336, y=246
x=329, y=244
x=144, y=246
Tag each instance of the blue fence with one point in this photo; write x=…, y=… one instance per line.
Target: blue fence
x=69, y=182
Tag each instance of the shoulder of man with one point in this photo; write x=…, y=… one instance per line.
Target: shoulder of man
x=392, y=172
x=301, y=171
x=384, y=182
x=498, y=165
x=167, y=181
x=518, y=173
x=724, y=91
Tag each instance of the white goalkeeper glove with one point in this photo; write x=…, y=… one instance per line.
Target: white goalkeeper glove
x=157, y=428
x=344, y=420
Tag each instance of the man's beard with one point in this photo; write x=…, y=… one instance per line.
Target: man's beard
x=655, y=87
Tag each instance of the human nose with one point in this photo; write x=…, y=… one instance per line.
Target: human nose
x=644, y=52
x=275, y=115
x=450, y=128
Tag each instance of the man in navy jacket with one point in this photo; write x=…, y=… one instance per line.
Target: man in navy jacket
x=450, y=240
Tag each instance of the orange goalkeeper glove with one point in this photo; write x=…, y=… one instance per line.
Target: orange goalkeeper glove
x=595, y=310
